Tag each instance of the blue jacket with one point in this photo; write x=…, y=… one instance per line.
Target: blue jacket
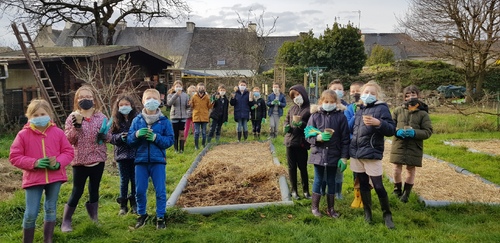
x=241, y=105
x=122, y=149
x=151, y=152
x=271, y=98
x=349, y=114
x=368, y=141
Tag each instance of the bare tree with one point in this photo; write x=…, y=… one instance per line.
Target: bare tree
x=463, y=31
x=99, y=15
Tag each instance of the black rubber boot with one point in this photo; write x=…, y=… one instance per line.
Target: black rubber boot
x=366, y=198
x=293, y=183
x=133, y=204
x=386, y=212
x=176, y=147
x=239, y=136
x=209, y=138
x=330, y=211
x=48, y=231
x=258, y=136
x=28, y=235
x=66, y=221
x=245, y=135
x=217, y=139
x=123, y=205
x=92, y=209
x=315, y=204
x=196, y=141
x=397, y=189
x=181, y=146
x=406, y=192
x=305, y=183
x=203, y=141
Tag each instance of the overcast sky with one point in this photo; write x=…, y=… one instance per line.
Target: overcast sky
x=294, y=16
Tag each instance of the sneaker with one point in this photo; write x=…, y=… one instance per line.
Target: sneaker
x=160, y=223
x=141, y=220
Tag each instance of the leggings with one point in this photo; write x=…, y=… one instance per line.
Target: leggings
x=178, y=128
x=364, y=184
x=80, y=175
x=188, y=126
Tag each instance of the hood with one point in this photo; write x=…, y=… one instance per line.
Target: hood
x=317, y=108
x=302, y=91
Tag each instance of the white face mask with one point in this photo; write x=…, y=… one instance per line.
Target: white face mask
x=242, y=88
x=276, y=90
x=328, y=107
x=298, y=100
x=222, y=93
x=177, y=89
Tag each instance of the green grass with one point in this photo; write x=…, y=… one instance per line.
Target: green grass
x=414, y=222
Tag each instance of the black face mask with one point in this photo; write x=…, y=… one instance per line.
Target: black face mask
x=201, y=91
x=86, y=104
x=412, y=102
x=356, y=97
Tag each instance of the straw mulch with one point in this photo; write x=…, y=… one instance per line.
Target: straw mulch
x=438, y=181
x=10, y=179
x=483, y=146
x=237, y=173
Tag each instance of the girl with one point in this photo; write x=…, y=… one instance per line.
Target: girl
x=42, y=151
x=241, y=100
x=201, y=105
x=82, y=129
x=372, y=122
x=408, y=144
x=191, y=91
x=179, y=103
x=123, y=113
x=328, y=151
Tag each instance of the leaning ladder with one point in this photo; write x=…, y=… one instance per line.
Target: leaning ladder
x=41, y=76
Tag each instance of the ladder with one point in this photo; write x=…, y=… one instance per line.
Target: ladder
x=41, y=76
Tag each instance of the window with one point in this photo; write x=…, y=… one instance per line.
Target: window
x=221, y=62
x=78, y=42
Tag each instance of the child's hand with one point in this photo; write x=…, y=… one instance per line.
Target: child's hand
x=297, y=124
x=342, y=164
x=225, y=123
x=151, y=136
x=409, y=133
x=142, y=132
x=325, y=136
x=42, y=163
x=101, y=137
x=254, y=106
x=371, y=121
x=124, y=136
x=286, y=129
x=55, y=167
x=263, y=120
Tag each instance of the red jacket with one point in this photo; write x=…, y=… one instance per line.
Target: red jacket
x=31, y=145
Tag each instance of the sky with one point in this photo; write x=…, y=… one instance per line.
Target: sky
x=293, y=16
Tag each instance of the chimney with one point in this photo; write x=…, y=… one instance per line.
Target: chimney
x=190, y=27
x=252, y=27
x=122, y=24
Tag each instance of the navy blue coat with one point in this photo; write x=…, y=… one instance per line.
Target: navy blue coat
x=241, y=105
x=368, y=141
x=281, y=99
x=122, y=149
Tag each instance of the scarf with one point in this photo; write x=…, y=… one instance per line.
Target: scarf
x=150, y=119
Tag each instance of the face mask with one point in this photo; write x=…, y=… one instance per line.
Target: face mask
x=201, y=91
x=328, y=107
x=298, y=100
x=178, y=89
x=276, y=90
x=161, y=81
x=368, y=98
x=40, y=121
x=356, y=97
x=256, y=94
x=86, y=104
x=339, y=93
x=125, y=110
x=412, y=102
x=222, y=93
x=242, y=88
x=193, y=93
x=151, y=104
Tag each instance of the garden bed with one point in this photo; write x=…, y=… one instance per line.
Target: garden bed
x=490, y=147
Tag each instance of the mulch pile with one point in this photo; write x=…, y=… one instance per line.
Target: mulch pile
x=236, y=173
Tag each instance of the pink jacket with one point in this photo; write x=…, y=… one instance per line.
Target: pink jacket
x=84, y=140
x=31, y=144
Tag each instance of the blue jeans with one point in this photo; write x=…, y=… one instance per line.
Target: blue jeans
x=127, y=174
x=242, y=125
x=33, y=197
x=326, y=173
x=200, y=127
x=158, y=176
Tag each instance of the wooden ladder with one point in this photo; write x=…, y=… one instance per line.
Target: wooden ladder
x=41, y=76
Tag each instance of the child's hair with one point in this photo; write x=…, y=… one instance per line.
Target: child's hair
x=37, y=104
x=172, y=90
x=328, y=93
x=200, y=84
x=119, y=117
x=97, y=104
x=335, y=81
x=221, y=86
x=277, y=84
x=242, y=82
x=372, y=83
x=411, y=89
x=150, y=91
x=256, y=88
x=358, y=83
x=191, y=89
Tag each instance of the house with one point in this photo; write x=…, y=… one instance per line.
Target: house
x=402, y=45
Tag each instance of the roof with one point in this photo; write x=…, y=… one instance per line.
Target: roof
x=5, y=49
x=272, y=45
x=401, y=44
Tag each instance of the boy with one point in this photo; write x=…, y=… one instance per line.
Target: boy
x=242, y=101
x=276, y=101
x=219, y=112
x=337, y=86
x=151, y=134
x=257, y=113
x=200, y=105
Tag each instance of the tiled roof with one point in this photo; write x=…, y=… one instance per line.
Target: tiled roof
x=272, y=45
x=402, y=45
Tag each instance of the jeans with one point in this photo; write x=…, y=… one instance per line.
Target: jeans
x=33, y=197
x=320, y=172
x=127, y=174
x=215, y=127
x=242, y=125
x=158, y=176
x=80, y=175
x=200, y=127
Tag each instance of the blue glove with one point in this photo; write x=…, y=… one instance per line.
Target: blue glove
x=400, y=133
x=410, y=133
x=325, y=136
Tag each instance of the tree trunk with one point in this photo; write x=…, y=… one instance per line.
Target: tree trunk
x=109, y=38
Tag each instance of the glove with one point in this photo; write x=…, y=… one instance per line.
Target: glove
x=286, y=129
x=311, y=131
x=225, y=123
x=55, y=167
x=297, y=124
x=42, y=163
x=254, y=106
x=276, y=102
x=212, y=98
x=400, y=133
x=410, y=133
x=325, y=136
x=142, y=132
x=342, y=164
x=151, y=136
x=124, y=136
x=75, y=123
x=101, y=137
x=263, y=120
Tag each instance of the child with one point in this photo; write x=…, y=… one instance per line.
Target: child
x=276, y=101
x=241, y=100
x=329, y=149
x=123, y=113
x=257, y=113
x=295, y=142
x=191, y=91
x=337, y=86
x=408, y=144
x=179, y=103
x=219, y=112
x=84, y=129
x=42, y=151
x=151, y=134
x=373, y=121
x=201, y=105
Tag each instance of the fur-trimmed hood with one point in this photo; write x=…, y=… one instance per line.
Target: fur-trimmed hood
x=316, y=108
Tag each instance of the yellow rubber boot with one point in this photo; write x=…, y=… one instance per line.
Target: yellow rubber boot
x=357, y=203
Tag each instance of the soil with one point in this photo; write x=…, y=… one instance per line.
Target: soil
x=10, y=179
x=483, y=146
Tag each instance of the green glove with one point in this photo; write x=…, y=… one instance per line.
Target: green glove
x=297, y=124
x=212, y=98
x=276, y=102
x=325, y=136
x=142, y=132
x=254, y=106
x=342, y=164
x=55, y=167
x=286, y=129
x=311, y=131
x=225, y=123
x=263, y=120
x=42, y=163
x=151, y=136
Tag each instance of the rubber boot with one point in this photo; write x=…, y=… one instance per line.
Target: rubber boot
x=245, y=135
x=209, y=138
x=357, y=203
x=315, y=204
x=397, y=189
x=181, y=146
x=386, y=212
x=293, y=182
x=406, y=192
x=330, y=211
x=92, y=209
x=133, y=204
x=217, y=139
x=338, y=190
x=239, y=136
x=366, y=197
x=254, y=136
x=123, y=205
x=176, y=147
x=196, y=141
x=305, y=188
x=203, y=141
x=48, y=231
x=258, y=136
x=28, y=235
x=66, y=221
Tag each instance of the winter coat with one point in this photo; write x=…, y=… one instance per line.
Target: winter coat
x=151, y=152
x=328, y=153
x=260, y=111
x=281, y=99
x=179, y=105
x=84, y=140
x=409, y=151
x=122, y=150
x=201, y=106
x=31, y=144
x=349, y=114
x=220, y=109
x=241, y=104
x=295, y=136
x=368, y=141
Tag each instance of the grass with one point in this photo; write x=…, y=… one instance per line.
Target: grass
x=414, y=222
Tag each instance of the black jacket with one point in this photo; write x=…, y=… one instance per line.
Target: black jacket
x=260, y=111
x=220, y=109
x=295, y=136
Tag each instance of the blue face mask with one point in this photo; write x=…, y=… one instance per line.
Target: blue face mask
x=339, y=93
x=256, y=94
x=151, y=104
x=368, y=98
x=40, y=121
x=125, y=110
x=328, y=107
